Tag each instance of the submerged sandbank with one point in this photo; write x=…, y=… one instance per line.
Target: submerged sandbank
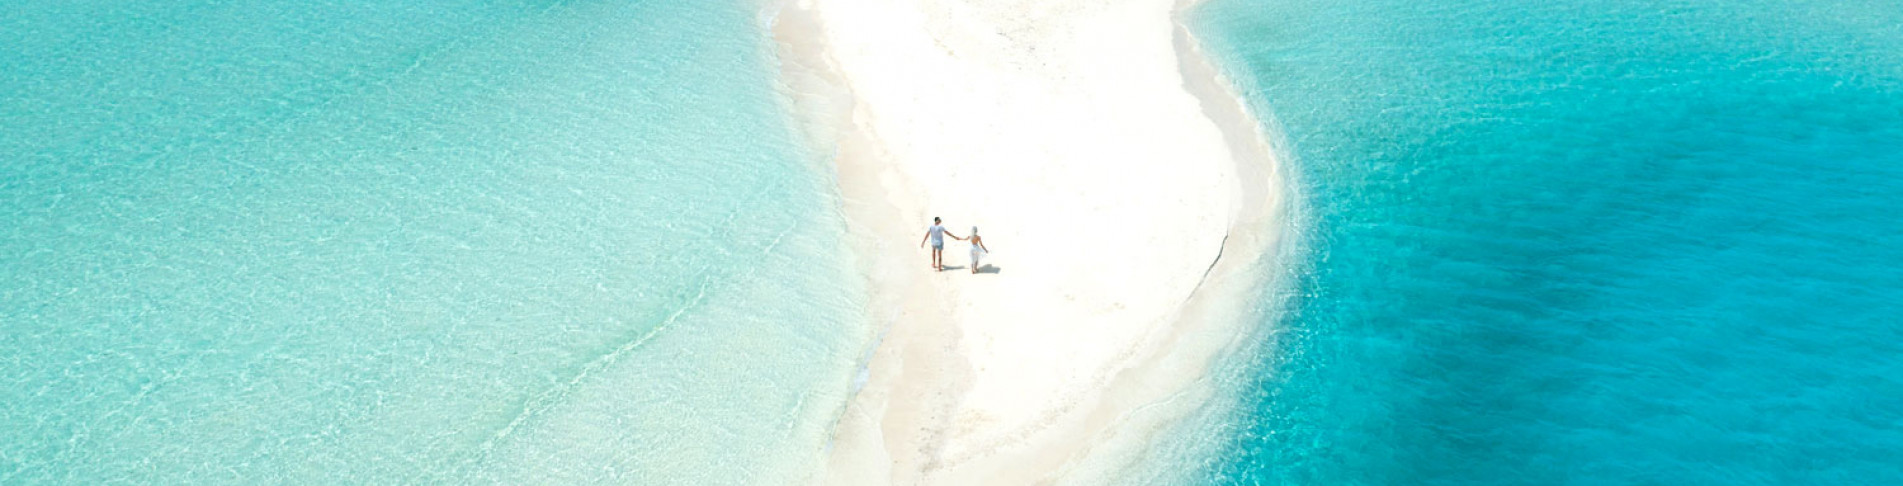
x=1126, y=193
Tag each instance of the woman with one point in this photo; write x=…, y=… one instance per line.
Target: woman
x=977, y=248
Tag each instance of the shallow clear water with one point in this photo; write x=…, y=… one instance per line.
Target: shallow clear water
x=1580, y=242
x=396, y=242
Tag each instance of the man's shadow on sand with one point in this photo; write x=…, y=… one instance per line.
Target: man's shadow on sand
x=985, y=268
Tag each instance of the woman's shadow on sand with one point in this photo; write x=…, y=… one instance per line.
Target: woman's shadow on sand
x=985, y=268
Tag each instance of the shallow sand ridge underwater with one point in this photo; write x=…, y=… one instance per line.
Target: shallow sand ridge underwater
x=414, y=242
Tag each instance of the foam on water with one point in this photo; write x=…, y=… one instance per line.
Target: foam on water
x=398, y=242
x=1579, y=242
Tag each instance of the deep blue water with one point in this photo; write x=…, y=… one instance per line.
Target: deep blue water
x=1581, y=242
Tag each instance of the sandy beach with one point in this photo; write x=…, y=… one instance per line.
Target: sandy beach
x=1126, y=195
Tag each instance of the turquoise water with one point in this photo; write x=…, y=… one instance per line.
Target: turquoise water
x=534, y=242
x=1581, y=242
x=397, y=242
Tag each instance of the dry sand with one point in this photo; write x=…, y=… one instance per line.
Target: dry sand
x=1126, y=195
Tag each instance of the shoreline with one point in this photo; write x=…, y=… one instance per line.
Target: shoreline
x=1050, y=368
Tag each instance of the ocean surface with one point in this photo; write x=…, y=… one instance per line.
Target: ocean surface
x=324, y=242
x=1578, y=242
x=358, y=242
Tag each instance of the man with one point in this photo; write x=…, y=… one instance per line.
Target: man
x=936, y=234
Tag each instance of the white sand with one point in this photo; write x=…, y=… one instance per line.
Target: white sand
x=1124, y=193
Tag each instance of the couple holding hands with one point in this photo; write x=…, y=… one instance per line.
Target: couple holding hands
x=936, y=234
